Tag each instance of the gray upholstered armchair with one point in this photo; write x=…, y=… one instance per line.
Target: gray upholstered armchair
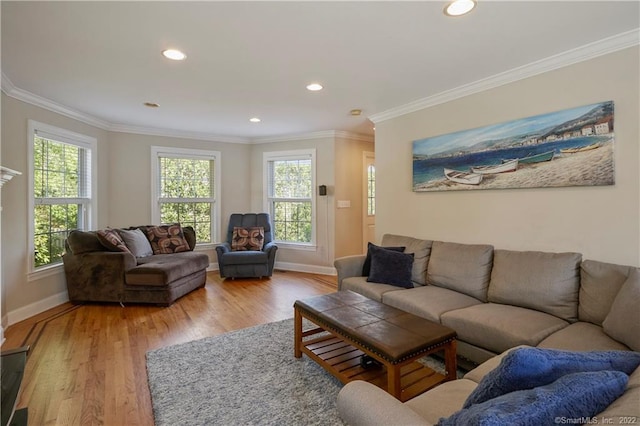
x=247, y=263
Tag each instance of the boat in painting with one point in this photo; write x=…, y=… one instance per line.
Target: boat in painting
x=509, y=166
x=535, y=158
x=463, y=177
x=580, y=148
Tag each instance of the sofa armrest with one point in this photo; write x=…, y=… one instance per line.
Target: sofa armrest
x=349, y=266
x=97, y=276
x=361, y=403
x=223, y=248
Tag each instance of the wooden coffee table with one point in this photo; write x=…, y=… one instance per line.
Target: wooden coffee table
x=353, y=325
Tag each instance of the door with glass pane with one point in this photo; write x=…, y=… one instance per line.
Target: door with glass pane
x=369, y=202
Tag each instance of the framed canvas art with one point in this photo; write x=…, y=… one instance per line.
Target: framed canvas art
x=573, y=147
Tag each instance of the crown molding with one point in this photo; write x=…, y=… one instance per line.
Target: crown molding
x=22, y=95
x=6, y=85
x=296, y=137
x=152, y=131
x=358, y=137
x=569, y=57
x=315, y=135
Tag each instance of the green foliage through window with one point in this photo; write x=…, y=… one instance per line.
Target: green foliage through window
x=290, y=198
x=60, y=190
x=187, y=194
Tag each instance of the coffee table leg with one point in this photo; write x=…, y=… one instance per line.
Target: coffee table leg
x=297, y=333
x=450, y=360
x=393, y=381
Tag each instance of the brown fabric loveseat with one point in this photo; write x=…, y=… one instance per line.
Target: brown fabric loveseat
x=97, y=271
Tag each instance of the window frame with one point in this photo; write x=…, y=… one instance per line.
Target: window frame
x=158, y=152
x=89, y=215
x=301, y=154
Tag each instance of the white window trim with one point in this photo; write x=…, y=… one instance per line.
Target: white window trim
x=60, y=135
x=299, y=154
x=167, y=151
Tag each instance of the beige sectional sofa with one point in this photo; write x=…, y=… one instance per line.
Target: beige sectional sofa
x=361, y=403
x=497, y=300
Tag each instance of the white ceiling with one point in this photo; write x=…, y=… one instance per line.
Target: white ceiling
x=249, y=59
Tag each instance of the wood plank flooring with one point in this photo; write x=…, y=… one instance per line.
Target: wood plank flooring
x=87, y=362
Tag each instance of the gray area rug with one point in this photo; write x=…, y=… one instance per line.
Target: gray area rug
x=245, y=377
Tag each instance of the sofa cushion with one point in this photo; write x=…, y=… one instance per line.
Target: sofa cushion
x=428, y=302
x=461, y=267
x=250, y=238
x=582, y=336
x=244, y=257
x=84, y=242
x=547, y=282
x=136, y=242
x=573, y=396
x=500, y=327
x=623, y=322
x=421, y=250
x=366, y=266
x=166, y=239
x=599, y=285
x=162, y=269
x=478, y=373
x=527, y=368
x=112, y=240
x=370, y=290
x=390, y=267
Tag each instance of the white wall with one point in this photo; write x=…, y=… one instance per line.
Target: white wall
x=130, y=177
x=602, y=223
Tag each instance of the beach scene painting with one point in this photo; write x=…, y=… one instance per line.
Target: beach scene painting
x=573, y=147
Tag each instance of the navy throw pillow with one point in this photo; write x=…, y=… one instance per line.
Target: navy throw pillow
x=527, y=368
x=390, y=267
x=573, y=396
x=366, y=266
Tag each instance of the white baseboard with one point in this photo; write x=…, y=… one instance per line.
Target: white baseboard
x=312, y=269
x=213, y=267
x=35, y=308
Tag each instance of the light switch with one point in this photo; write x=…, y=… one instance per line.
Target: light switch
x=344, y=204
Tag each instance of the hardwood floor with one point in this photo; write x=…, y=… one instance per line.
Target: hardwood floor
x=87, y=362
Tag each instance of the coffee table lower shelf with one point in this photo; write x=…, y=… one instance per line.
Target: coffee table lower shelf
x=342, y=360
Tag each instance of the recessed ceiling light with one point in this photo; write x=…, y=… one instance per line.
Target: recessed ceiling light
x=151, y=104
x=174, y=54
x=459, y=7
x=355, y=112
x=314, y=87
x=255, y=120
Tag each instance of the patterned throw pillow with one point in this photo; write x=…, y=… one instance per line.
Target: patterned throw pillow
x=247, y=238
x=112, y=240
x=166, y=239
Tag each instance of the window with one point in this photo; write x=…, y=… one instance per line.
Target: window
x=186, y=183
x=289, y=180
x=62, y=187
